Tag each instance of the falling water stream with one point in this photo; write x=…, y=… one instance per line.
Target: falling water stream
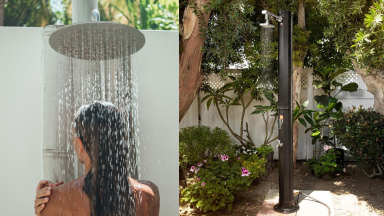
x=267, y=70
x=97, y=63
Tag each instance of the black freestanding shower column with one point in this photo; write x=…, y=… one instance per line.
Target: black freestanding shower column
x=286, y=203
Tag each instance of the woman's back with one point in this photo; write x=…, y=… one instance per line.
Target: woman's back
x=70, y=199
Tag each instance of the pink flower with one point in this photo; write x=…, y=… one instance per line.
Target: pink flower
x=205, y=161
x=243, y=168
x=196, y=170
x=202, y=184
x=193, y=168
x=247, y=203
x=198, y=178
x=199, y=164
x=224, y=158
x=238, y=158
x=326, y=148
x=245, y=172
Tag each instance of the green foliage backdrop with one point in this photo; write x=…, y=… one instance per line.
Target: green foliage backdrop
x=141, y=14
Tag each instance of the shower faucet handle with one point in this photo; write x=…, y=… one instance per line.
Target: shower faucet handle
x=279, y=144
x=281, y=120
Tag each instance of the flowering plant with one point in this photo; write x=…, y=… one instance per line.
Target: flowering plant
x=254, y=165
x=216, y=183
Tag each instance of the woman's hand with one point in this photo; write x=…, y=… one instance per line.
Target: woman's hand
x=43, y=190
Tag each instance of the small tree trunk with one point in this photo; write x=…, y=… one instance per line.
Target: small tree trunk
x=190, y=74
x=296, y=84
x=297, y=71
x=375, y=85
x=2, y=2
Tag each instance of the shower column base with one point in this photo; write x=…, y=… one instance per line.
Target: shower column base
x=307, y=205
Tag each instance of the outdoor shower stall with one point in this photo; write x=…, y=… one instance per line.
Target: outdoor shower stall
x=284, y=110
x=30, y=86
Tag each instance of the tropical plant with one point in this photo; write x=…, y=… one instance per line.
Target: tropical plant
x=369, y=39
x=247, y=83
x=30, y=13
x=198, y=143
x=355, y=30
x=331, y=108
x=147, y=14
x=229, y=24
x=362, y=132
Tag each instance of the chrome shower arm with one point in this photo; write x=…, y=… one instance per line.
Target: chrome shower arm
x=278, y=18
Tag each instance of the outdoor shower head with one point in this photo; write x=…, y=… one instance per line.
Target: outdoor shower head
x=81, y=40
x=267, y=24
x=267, y=14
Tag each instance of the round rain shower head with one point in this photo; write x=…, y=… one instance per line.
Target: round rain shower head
x=267, y=25
x=78, y=40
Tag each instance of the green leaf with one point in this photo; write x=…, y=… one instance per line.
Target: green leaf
x=232, y=78
x=338, y=72
x=305, y=104
x=320, y=106
x=318, y=83
x=303, y=122
x=315, y=116
x=322, y=99
x=209, y=103
x=309, y=120
x=296, y=111
x=351, y=87
x=339, y=106
x=206, y=97
x=336, y=84
x=315, y=134
x=269, y=95
x=337, y=115
x=314, y=140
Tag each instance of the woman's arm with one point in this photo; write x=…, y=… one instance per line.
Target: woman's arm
x=152, y=197
x=68, y=200
x=43, y=191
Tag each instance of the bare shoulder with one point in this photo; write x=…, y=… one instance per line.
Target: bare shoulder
x=147, y=197
x=150, y=187
x=68, y=199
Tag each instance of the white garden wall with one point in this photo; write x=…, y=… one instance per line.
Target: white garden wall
x=256, y=124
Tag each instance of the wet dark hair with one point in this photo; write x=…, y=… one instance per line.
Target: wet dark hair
x=102, y=129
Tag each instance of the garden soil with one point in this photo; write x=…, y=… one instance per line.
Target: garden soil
x=353, y=193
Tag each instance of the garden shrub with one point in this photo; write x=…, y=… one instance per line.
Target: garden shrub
x=362, y=132
x=262, y=151
x=218, y=180
x=255, y=165
x=198, y=143
x=325, y=163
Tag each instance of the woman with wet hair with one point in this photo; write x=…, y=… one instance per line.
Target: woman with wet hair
x=101, y=139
